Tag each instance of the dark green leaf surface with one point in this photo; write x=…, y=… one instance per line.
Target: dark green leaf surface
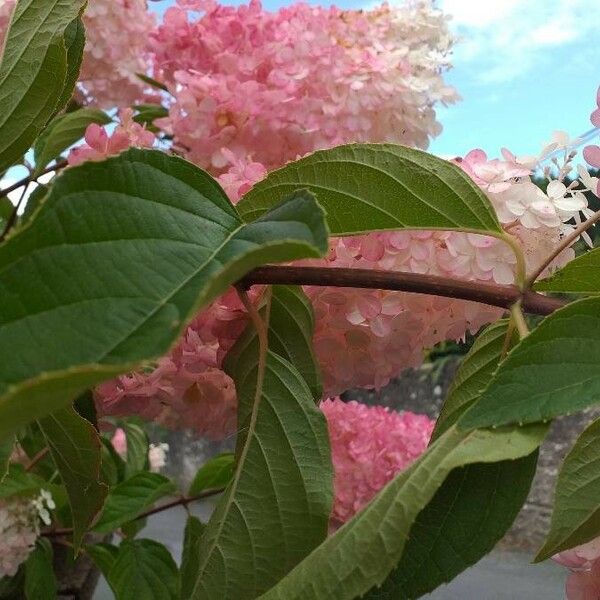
x=119, y=257
x=475, y=505
x=6, y=448
x=468, y=515
x=74, y=40
x=473, y=375
x=63, y=132
x=137, y=449
x=18, y=482
x=130, y=498
x=104, y=556
x=554, y=371
x=375, y=539
x=76, y=450
x=276, y=509
x=194, y=529
x=40, y=580
x=144, y=570
x=216, y=473
x=33, y=72
x=367, y=187
x=581, y=275
x=576, y=514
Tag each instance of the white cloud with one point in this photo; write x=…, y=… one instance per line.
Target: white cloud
x=506, y=39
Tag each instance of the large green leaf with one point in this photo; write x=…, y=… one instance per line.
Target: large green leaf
x=74, y=39
x=468, y=515
x=216, y=473
x=366, y=187
x=63, y=132
x=475, y=505
x=576, y=514
x=138, y=446
x=104, y=556
x=40, y=580
x=33, y=72
x=581, y=275
x=473, y=374
x=364, y=551
x=553, y=371
x=18, y=482
x=76, y=450
x=144, y=570
x=276, y=509
x=120, y=255
x=130, y=498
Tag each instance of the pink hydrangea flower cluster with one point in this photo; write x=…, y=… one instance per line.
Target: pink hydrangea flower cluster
x=99, y=145
x=583, y=582
x=117, y=33
x=270, y=86
x=19, y=530
x=369, y=445
x=591, y=153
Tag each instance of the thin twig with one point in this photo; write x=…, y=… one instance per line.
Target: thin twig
x=61, y=164
x=37, y=458
x=566, y=243
x=503, y=296
x=183, y=501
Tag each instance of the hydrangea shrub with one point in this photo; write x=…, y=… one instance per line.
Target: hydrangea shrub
x=242, y=224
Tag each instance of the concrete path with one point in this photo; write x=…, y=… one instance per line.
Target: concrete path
x=500, y=576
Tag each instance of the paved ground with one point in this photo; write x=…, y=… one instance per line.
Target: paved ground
x=500, y=576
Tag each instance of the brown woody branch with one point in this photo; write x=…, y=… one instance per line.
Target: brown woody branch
x=503, y=296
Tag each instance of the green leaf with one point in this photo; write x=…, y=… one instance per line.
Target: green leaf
x=6, y=448
x=13, y=588
x=63, y=132
x=74, y=40
x=144, y=570
x=76, y=450
x=194, y=529
x=113, y=466
x=137, y=449
x=555, y=370
x=216, y=473
x=36, y=197
x=132, y=528
x=129, y=499
x=578, y=276
x=147, y=113
x=367, y=187
x=576, y=514
x=18, y=482
x=152, y=82
x=364, y=551
x=33, y=72
x=473, y=375
x=104, y=556
x=40, y=580
x=466, y=518
x=86, y=407
x=122, y=254
x=475, y=505
x=6, y=210
x=277, y=507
